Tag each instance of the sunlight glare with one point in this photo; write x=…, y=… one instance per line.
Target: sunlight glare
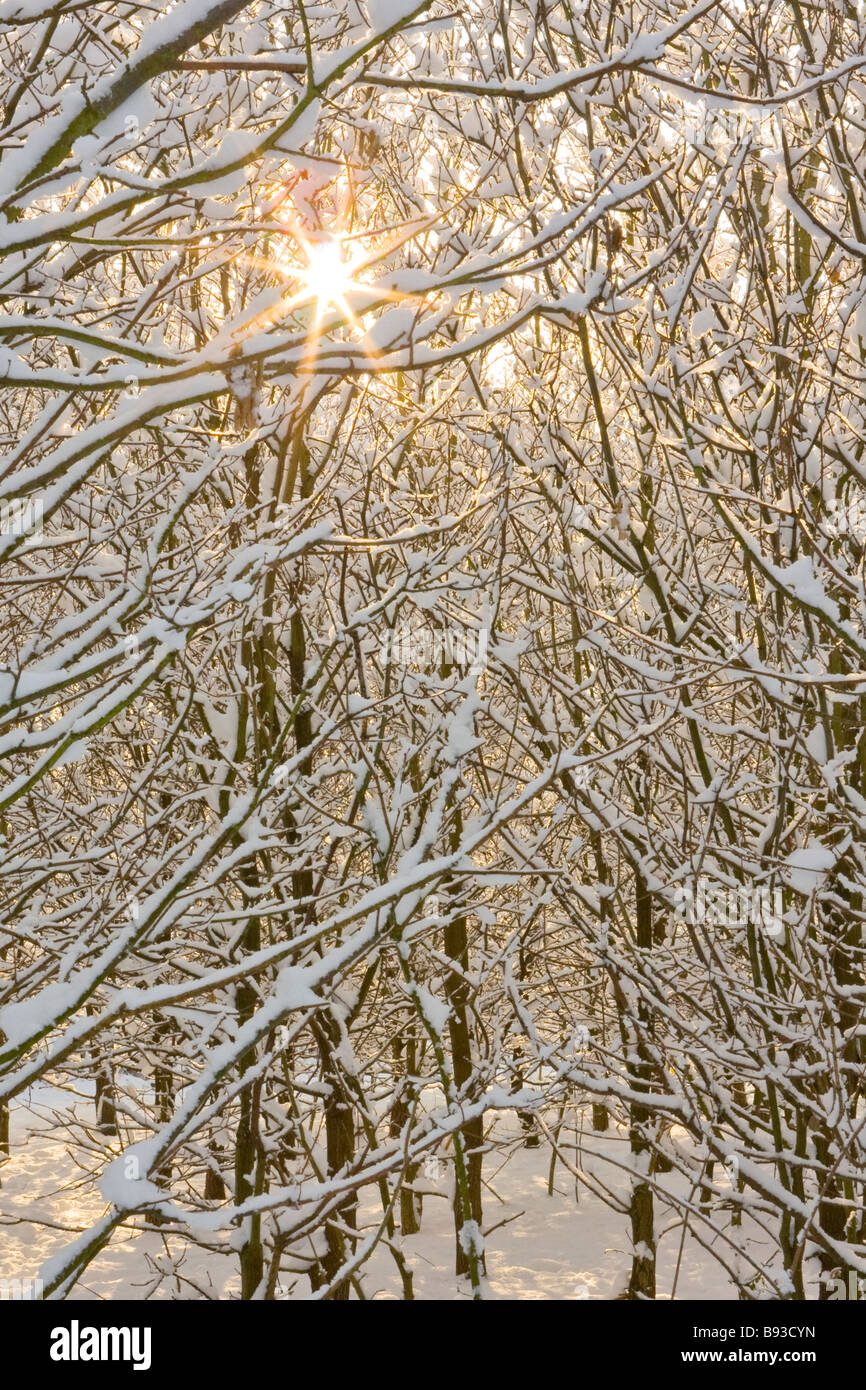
x=328, y=275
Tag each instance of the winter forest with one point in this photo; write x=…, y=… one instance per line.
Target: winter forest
x=433, y=649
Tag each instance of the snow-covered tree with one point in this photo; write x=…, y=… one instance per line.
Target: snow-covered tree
x=433, y=674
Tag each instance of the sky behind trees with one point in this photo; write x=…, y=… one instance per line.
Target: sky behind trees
x=432, y=673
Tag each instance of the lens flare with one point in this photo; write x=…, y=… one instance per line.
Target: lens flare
x=327, y=277
x=323, y=271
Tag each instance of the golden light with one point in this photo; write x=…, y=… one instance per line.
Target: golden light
x=318, y=271
x=327, y=277
x=323, y=270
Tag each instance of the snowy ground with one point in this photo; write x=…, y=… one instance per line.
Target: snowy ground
x=565, y=1245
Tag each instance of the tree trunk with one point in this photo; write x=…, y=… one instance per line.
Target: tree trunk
x=642, y=1282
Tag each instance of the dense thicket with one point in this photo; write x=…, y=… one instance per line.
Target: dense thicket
x=433, y=657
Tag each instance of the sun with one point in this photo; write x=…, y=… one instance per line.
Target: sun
x=320, y=271
x=324, y=270
x=328, y=274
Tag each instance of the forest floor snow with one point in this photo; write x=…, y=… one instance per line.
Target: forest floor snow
x=564, y=1243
